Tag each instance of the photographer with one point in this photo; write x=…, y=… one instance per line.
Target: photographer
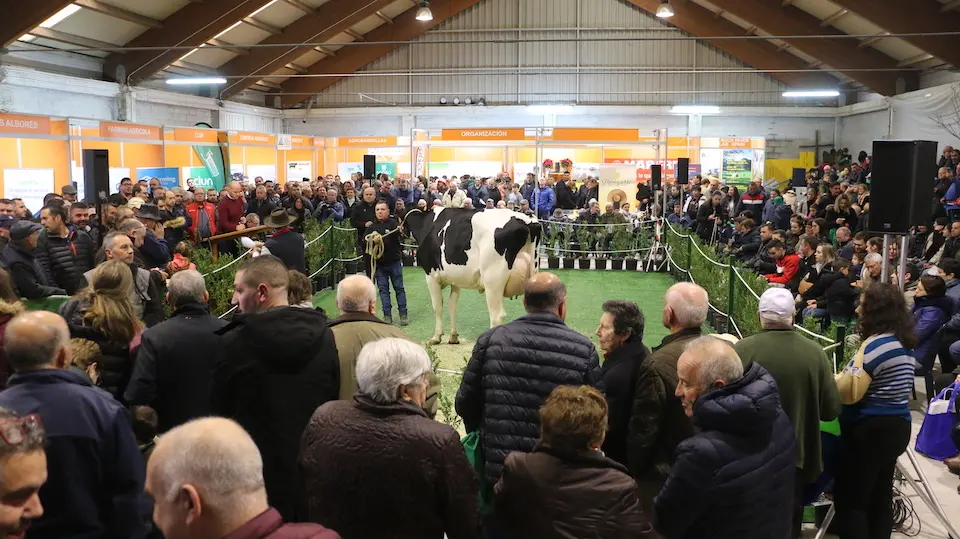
x=330, y=208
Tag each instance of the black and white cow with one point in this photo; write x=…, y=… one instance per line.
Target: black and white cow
x=493, y=251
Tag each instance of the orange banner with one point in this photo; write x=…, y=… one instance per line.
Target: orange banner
x=252, y=138
x=482, y=134
x=301, y=142
x=183, y=134
x=735, y=142
x=17, y=123
x=366, y=141
x=129, y=131
x=595, y=135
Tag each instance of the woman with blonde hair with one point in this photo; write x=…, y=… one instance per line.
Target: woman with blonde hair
x=567, y=487
x=104, y=313
x=841, y=213
x=10, y=306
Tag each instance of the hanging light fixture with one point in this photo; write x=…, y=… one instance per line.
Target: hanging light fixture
x=665, y=10
x=424, y=13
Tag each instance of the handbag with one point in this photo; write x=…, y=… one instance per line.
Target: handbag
x=473, y=447
x=935, y=437
x=853, y=380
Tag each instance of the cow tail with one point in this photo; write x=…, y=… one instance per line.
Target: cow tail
x=536, y=230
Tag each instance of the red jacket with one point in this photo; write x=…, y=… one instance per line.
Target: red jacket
x=230, y=213
x=787, y=268
x=193, y=210
x=270, y=525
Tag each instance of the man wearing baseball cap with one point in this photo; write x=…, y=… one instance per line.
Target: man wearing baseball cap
x=18, y=258
x=808, y=393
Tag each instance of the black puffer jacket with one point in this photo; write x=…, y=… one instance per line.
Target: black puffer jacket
x=513, y=369
x=116, y=363
x=619, y=376
x=65, y=260
x=274, y=369
x=734, y=478
x=28, y=276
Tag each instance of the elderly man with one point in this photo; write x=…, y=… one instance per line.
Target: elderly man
x=23, y=471
x=330, y=208
x=146, y=296
x=870, y=274
x=95, y=482
x=515, y=366
x=19, y=258
x=657, y=422
x=172, y=370
x=733, y=479
x=808, y=393
x=845, y=245
x=206, y=479
x=351, y=449
x=276, y=365
x=358, y=325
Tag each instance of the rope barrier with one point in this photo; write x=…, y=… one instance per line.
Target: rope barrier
x=319, y=271
x=318, y=238
x=745, y=284
x=228, y=313
x=227, y=265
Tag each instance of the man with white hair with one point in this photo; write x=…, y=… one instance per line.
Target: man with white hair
x=733, y=479
x=206, y=480
x=657, y=421
x=357, y=326
x=377, y=466
x=95, y=482
x=808, y=393
x=172, y=371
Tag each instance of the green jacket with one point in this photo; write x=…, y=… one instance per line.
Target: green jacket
x=808, y=392
x=353, y=330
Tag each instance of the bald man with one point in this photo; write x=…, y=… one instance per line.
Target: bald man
x=96, y=478
x=657, y=421
x=358, y=325
x=516, y=365
x=231, y=214
x=206, y=480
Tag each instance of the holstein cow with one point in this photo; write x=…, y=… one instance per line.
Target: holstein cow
x=493, y=251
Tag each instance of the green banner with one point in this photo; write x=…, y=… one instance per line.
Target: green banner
x=211, y=155
x=390, y=169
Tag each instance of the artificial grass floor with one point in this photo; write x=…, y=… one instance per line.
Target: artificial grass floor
x=586, y=292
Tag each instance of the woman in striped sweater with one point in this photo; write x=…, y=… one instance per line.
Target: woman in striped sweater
x=876, y=430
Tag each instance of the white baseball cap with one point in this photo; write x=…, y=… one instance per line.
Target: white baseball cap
x=778, y=301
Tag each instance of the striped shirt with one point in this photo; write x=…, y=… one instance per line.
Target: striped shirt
x=891, y=368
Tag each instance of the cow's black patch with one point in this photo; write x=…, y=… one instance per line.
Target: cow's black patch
x=430, y=234
x=509, y=239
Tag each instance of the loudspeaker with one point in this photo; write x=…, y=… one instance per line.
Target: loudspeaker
x=683, y=170
x=369, y=167
x=902, y=173
x=96, y=178
x=655, y=177
x=799, y=178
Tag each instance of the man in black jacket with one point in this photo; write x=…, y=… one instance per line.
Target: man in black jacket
x=286, y=243
x=389, y=268
x=363, y=215
x=514, y=368
x=276, y=365
x=64, y=254
x=172, y=370
x=18, y=257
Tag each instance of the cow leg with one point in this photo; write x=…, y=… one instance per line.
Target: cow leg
x=454, y=298
x=494, y=293
x=436, y=299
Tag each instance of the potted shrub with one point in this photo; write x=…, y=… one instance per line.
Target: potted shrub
x=585, y=238
x=550, y=240
x=621, y=244
x=630, y=264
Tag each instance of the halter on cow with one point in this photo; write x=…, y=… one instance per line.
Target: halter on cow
x=493, y=251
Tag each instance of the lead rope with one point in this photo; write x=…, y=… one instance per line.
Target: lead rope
x=375, y=245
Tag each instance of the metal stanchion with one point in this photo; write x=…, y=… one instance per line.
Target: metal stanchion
x=885, y=264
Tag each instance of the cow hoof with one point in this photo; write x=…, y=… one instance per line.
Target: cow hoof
x=454, y=339
x=434, y=340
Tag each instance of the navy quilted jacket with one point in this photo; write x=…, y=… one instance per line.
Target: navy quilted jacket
x=512, y=370
x=734, y=478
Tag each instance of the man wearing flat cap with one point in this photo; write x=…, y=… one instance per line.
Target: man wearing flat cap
x=18, y=257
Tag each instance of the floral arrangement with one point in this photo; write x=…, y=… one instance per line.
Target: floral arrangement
x=566, y=163
x=548, y=163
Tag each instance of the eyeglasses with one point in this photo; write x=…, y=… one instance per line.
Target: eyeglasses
x=15, y=431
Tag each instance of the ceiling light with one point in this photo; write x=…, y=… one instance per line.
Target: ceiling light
x=550, y=109
x=695, y=109
x=184, y=81
x=424, y=13
x=443, y=100
x=665, y=10
x=812, y=93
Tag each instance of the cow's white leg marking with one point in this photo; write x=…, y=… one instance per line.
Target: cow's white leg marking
x=452, y=306
x=494, y=292
x=436, y=299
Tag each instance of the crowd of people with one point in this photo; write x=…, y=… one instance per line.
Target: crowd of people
x=121, y=420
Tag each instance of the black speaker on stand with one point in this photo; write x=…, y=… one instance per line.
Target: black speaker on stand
x=902, y=173
x=96, y=178
x=369, y=167
x=683, y=171
x=656, y=173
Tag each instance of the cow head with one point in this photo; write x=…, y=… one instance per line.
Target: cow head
x=416, y=224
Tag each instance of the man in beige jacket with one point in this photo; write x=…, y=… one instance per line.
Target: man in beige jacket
x=358, y=325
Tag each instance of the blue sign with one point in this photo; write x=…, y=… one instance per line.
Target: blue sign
x=169, y=176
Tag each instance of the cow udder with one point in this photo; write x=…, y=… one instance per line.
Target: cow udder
x=523, y=269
